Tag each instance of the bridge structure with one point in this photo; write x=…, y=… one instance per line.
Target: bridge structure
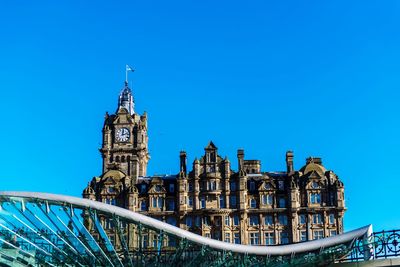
x=39, y=229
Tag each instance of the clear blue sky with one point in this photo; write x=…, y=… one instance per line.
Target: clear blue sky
x=320, y=78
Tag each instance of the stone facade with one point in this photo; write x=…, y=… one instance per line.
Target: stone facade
x=247, y=206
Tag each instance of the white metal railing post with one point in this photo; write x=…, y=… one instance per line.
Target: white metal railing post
x=368, y=245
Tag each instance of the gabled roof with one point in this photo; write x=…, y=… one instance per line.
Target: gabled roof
x=211, y=145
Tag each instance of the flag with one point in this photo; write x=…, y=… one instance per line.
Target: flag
x=129, y=68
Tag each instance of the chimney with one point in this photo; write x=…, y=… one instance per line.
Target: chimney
x=289, y=161
x=240, y=156
x=182, y=157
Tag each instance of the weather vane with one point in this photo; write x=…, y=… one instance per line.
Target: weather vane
x=127, y=69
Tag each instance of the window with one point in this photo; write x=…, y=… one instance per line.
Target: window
x=281, y=185
x=282, y=202
x=267, y=186
x=212, y=185
x=197, y=221
x=267, y=199
x=317, y=218
x=303, y=236
x=171, y=241
x=236, y=238
x=190, y=187
x=254, y=238
x=232, y=202
x=171, y=205
x=206, y=220
x=314, y=185
x=108, y=224
x=233, y=186
x=331, y=218
x=227, y=221
x=284, y=238
x=315, y=198
x=113, y=202
x=154, y=202
x=283, y=220
x=188, y=221
x=111, y=189
x=171, y=188
x=207, y=235
x=145, y=240
x=171, y=220
x=235, y=220
x=318, y=234
x=222, y=202
x=203, y=202
x=302, y=219
x=253, y=203
x=254, y=220
x=333, y=232
x=190, y=201
x=252, y=186
x=142, y=188
x=268, y=220
x=269, y=238
x=228, y=237
x=143, y=205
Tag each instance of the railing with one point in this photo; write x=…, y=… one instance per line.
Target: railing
x=380, y=245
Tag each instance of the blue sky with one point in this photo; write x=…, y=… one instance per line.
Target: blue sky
x=318, y=77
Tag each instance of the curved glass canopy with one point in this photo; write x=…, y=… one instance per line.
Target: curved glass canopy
x=39, y=229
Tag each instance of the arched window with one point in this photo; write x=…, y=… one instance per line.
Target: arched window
x=123, y=159
x=117, y=158
x=315, y=198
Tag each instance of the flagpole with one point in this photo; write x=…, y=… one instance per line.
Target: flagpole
x=126, y=74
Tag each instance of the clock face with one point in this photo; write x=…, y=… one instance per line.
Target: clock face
x=123, y=134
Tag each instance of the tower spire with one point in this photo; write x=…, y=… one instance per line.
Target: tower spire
x=125, y=99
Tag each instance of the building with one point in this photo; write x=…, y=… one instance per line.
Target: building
x=246, y=206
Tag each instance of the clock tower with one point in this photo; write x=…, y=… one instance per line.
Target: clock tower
x=125, y=140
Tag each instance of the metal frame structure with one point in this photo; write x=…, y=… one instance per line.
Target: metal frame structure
x=54, y=230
